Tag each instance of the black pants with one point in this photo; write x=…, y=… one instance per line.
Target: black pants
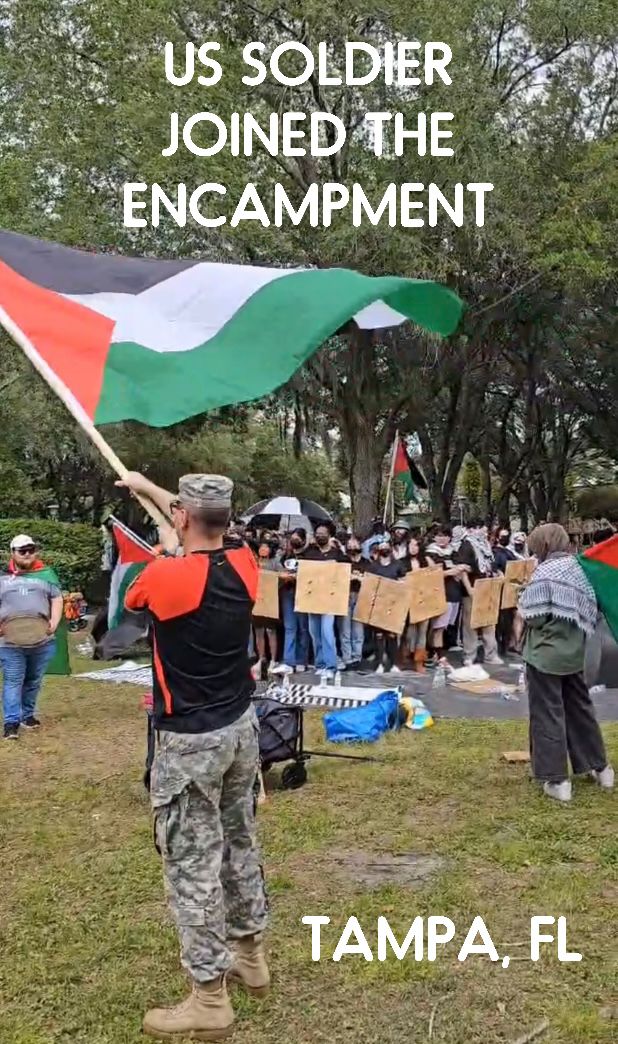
x=504, y=630
x=386, y=648
x=562, y=722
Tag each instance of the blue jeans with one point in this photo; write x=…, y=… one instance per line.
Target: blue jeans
x=296, y=639
x=23, y=671
x=322, y=631
x=352, y=633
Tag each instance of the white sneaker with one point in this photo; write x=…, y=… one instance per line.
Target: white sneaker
x=395, y=669
x=328, y=674
x=380, y=668
x=468, y=661
x=559, y=791
x=495, y=661
x=301, y=668
x=272, y=667
x=282, y=668
x=605, y=778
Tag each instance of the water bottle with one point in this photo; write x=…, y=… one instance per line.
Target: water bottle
x=337, y=682
x=323, y=681
x=439, y=677
x=522, y=684
x=286, y=683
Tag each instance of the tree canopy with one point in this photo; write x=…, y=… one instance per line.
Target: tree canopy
x=527, y=387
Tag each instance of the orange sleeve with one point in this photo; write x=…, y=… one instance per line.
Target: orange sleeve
x=138, y=594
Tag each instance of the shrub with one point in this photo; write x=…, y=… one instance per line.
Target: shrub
x=72, y=548
x=599, y=502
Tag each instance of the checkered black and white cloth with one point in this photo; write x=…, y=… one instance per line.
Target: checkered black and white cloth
x=313, y=696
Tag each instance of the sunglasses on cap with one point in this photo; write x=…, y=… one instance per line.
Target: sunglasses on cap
x=26, y=549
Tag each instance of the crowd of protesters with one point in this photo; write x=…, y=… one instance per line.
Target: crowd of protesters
x=298, y=641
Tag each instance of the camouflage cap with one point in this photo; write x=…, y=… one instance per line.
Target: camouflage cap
x=200, y=491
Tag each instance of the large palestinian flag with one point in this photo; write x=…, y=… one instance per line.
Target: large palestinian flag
x=133, y=555
x=600, y=564
x=129, y=338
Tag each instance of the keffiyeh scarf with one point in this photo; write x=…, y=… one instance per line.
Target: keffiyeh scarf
x=482, y=552
x=560, y=588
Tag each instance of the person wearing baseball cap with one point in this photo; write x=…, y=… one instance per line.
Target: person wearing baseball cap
x=31, y=608
x=206, y=761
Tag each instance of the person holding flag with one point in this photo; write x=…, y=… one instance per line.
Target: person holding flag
x=206, y=761
x=559, y=608
x=31, y=611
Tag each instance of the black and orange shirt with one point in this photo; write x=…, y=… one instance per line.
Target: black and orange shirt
x=201, y=607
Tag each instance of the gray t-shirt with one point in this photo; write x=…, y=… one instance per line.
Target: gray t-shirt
x=22, y=595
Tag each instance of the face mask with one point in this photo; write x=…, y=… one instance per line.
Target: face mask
x=296, y=543
x=385, y=554
x=354, y=552
x=322, y=541
x=519, y=547
x=504, y=541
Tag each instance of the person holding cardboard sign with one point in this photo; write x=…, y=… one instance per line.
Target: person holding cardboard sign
x=385, y=643
x=322, y=625
x=476, y=553
x=440, y=553
x=266, y=627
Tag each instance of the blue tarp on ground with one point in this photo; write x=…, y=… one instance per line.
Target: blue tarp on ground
x=363, y=724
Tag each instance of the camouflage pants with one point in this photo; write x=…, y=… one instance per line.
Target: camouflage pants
x=202, y=796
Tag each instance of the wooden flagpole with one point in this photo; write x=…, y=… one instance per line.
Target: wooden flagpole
x=390, y=476
x=77, y=410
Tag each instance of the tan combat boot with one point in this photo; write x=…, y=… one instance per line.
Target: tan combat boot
x=206, y=1014
x=250, y=968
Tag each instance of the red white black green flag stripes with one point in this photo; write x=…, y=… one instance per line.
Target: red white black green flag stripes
x=600, y=564
x=133, y=555
x=129, y=338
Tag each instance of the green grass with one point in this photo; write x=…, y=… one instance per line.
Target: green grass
x=87, y=946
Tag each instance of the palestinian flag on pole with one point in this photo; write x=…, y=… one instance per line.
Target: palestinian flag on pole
x=130, y=338
x=133, y=555
x=406, y=471
x=600, y=564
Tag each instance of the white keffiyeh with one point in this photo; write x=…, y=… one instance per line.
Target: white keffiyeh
x=560, y=588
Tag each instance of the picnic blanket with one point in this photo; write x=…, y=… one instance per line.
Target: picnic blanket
x=129, y=673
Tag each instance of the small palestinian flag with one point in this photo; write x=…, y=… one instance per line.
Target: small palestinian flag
x=406, y=471
x=133, y=555
x=134, y=338
x=600, y=564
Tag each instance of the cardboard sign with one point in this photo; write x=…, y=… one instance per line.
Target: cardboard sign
x=427, y=597
x=486, y=603
x=516, y=575
x=382, y=603
x=267, y=601
x=323, y=588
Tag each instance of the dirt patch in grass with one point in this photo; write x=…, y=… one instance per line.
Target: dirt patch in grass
x=370, y=870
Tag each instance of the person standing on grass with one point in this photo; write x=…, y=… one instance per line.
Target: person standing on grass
x=475, y=552
x=206, y=760
x=322, y=626
x=30, y=601
x=559, y=609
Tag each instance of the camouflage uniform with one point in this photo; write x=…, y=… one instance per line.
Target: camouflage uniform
x=202, y=796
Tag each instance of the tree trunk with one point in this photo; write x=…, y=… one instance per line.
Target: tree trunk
x=366, y=456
